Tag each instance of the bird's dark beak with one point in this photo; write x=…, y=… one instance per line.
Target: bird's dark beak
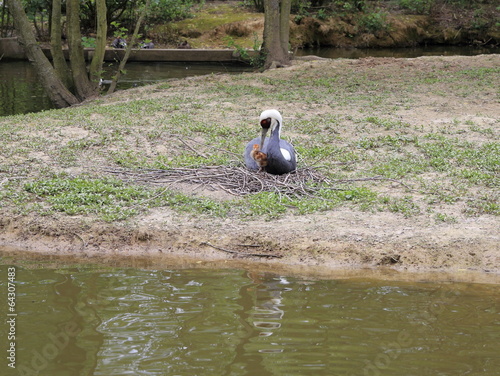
x=263, y=137
x=265, y=124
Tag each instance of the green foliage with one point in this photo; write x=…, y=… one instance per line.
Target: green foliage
x=417, y=6
x=300, y=8
x=270, y=205
x=169, y=10
x=405, y=206
x=119, y=30
x=258, y=5
x=88, y=42
x=488, y=204
x=322, y=15
x=112, y=199
x=349, y=6
x=373, y=22
x=243, y=52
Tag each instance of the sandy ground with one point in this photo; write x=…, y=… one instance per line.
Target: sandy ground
x=319, y=244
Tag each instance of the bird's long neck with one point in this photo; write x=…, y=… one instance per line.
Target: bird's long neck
x=277, y=129
x=274, y=141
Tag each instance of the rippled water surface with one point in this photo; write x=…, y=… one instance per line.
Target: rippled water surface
x=100, y=320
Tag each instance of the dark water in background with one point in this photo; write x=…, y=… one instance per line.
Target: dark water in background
x=20, y=92
x=78, y=319
x=358, y=53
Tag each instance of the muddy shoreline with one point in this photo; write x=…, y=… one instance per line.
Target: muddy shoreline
x=410, y=252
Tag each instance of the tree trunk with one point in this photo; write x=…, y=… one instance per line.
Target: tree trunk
x=54, y=87
x=286, y=7
x=58, y=59
x=100, y=48
x=112, y=87
x=276, y=32
x=84, y=88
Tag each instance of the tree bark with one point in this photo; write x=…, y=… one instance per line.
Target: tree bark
x=276, y=33
x=58, y=59
x=100, y=48
x=286, y=7
x=84, y=88
x=54, y=87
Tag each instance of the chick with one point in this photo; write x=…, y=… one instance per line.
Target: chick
x=259, y=157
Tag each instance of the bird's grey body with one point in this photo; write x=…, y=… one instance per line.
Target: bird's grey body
x=281, y=157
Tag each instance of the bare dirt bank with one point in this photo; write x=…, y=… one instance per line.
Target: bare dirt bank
x=342, y=243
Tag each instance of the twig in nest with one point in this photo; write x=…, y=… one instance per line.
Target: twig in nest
x=242, y=253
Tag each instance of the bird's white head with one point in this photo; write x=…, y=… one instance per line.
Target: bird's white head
x=269, y=119
x=272, y=115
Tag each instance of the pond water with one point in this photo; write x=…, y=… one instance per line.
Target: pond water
x=409, y=52
x=21, y=93
x=83, y=319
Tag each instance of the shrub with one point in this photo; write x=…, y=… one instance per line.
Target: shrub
x=373, y=22
x=170, y=10
x=417, y=6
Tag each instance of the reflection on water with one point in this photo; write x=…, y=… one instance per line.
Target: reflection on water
x=142, y=73
x=96, y=320
x=20, y=91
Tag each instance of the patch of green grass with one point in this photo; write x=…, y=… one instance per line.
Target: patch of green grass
x=405, y=165
x=480, y=73
x=386, y=123
x=405, y=205
x=443, y=217
x=487, y=204
x=479, y=164
x=111, y=199
x=270, y=205
x=208, y=18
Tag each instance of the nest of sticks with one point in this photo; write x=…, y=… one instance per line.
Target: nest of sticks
x=235, y=180
x=239, y=181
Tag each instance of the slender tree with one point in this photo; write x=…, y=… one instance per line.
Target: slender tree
x=100, y=48
x=55, y=88
x=276, y=33
x=58, y=58
x=84, y=88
